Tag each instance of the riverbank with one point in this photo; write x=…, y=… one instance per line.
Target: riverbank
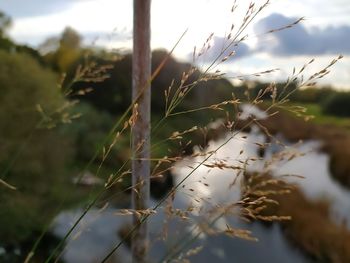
x=318, y=211
x=311, y=228
x=335, y=139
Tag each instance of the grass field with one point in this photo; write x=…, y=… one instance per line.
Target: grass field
x=321, y=118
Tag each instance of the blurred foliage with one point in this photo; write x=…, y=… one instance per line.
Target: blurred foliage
x=89, y=131
x=312, y=227
x=48, y=157
x=38, y=173
x=5, y=23
x=113, y=94
x=8, y=45
x=319, y=117
x=63, y=52
x=306, y=95
x=337, y=104
x=313, y=95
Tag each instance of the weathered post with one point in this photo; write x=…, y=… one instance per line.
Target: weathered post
x=141, y=92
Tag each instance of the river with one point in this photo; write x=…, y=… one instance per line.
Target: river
x=98, y=231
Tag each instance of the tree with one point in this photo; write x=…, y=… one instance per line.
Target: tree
x=5, y=23
x=141, y=94
x=39, y=175
x=337, y=104
x=62, y=53
x=5, y=42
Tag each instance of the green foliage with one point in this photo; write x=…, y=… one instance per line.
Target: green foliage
x=319, y=117
x=307, y=95
x=337, y=104
x=313, y=95
x=41, y=175
x=67, y=53
x=5, y=23
x=113, y=94
x=6, y=44
x=38, y=173
x=87, y=133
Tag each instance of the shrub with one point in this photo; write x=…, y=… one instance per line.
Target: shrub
x=41, y=153
x=337, y=104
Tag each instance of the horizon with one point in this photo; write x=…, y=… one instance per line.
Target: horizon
x=107, y=24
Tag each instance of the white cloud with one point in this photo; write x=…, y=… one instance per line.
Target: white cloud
x=300, y=41
x=40, y=19
x=33, y=8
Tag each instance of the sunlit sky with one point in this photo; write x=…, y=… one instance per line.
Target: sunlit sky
x=323, y=35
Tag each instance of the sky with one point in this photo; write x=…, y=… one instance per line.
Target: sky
x=323, y=35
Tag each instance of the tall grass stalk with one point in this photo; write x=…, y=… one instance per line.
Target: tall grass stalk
x=173, y=100
x=276, y=103
x=104, y=144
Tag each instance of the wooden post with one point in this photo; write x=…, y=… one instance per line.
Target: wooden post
x=141, y=74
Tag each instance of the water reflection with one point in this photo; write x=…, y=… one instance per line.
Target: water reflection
x=208, y=187
x=318, y=182
x=98, y=232
x=309, y=162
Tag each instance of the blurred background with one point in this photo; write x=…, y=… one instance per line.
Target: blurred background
x=109, y=24
x=65, y=80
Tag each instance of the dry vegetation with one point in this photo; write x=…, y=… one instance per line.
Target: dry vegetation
x=256, y=203
x=174, y=95
x=311, y=227
x=335, y=140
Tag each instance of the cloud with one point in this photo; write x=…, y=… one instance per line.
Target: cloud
x=217, y=45
x=31, y=8
x=300, y=41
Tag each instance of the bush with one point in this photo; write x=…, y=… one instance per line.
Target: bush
x=87, y=133
x=337, y=104
x=31, y=158
x=113, y=95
